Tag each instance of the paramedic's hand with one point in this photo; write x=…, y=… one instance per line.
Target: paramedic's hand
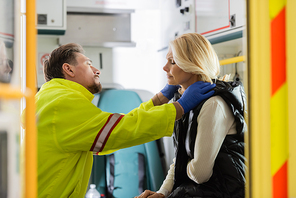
x=150, y=194
x=194, y=94
x=169, y=90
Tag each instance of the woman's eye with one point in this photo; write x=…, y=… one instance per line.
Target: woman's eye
x=173, y=63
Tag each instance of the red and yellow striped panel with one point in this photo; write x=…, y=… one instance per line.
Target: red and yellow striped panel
x=278, y=108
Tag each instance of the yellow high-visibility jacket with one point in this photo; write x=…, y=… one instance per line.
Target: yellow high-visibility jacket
x=71, y=129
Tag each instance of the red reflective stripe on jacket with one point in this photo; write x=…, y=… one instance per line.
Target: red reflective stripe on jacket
x=104, y=133
x=114, y=125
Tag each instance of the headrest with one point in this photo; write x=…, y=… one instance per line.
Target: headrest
x=118, y=101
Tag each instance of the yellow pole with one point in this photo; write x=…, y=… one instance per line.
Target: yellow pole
x=10, y=92
x=291, y=71
x=259, y=98
x=31, y=132
x=232, y=60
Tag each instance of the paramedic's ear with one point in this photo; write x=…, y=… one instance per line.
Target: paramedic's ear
x=67, y=69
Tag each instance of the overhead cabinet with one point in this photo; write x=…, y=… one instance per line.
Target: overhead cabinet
x=98, y=27
x=220, y=20
x=51, y=17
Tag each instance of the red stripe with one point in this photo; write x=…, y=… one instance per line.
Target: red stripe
x=220, y=27
x=6, y=34
x=280, y=182
x=278, y=51
x=215, y=30
x=107, y=137
x=98, y=135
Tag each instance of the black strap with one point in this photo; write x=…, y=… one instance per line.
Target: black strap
x=111, y=179
x=141, y=172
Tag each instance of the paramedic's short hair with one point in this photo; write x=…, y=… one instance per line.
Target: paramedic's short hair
x=52, y=67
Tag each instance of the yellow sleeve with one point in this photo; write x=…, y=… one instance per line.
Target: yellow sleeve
x=74, y=124
x=143, y=124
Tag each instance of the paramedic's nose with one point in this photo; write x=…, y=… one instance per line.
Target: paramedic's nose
x=96, y=71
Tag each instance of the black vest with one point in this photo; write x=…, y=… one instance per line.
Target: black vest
x=228, y=178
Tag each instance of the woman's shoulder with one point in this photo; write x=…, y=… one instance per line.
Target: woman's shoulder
x=215, y=100
x=216, y=105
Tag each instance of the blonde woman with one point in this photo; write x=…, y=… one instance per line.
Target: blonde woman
x=209, y=144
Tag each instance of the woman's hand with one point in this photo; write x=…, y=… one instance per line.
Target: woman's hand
x=150, y=194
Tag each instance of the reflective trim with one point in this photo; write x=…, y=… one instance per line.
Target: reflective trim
x=105, y=132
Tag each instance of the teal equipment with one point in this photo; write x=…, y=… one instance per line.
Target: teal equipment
x=126, y=172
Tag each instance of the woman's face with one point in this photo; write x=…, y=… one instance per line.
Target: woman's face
x=5, y=69
x=175, y=75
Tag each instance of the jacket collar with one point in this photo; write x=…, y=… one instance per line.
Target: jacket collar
x=69, y=84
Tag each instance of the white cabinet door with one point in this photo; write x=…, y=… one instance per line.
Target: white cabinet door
x=174, y=23
x=216, y=16
x=212, y=16
x=51, y=14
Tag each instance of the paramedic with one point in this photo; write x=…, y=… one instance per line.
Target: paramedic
x=71, y=129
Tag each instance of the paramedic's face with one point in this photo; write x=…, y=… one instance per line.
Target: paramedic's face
x=86, y=74
x=175, y=75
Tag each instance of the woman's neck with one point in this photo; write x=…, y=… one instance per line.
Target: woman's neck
x=192, y=80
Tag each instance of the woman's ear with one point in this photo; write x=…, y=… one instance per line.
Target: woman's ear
x=68, y=70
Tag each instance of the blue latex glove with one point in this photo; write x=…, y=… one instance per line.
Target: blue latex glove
x=194, y=94
x=169, y=90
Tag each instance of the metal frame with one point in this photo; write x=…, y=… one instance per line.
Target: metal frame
x=31, y=131
x=291, y=71
x=8, y=91
x=258, y=153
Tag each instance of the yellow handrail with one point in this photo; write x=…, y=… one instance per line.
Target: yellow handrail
x=232, y=60
x=10, y=92
x=31, y=131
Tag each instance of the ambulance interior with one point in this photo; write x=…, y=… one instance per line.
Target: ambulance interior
x=127, y=40
x=129, y=46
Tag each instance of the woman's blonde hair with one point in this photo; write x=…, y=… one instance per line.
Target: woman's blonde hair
x=193, y=53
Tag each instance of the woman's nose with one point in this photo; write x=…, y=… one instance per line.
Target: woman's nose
x=8, y=69
x=166, y=68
